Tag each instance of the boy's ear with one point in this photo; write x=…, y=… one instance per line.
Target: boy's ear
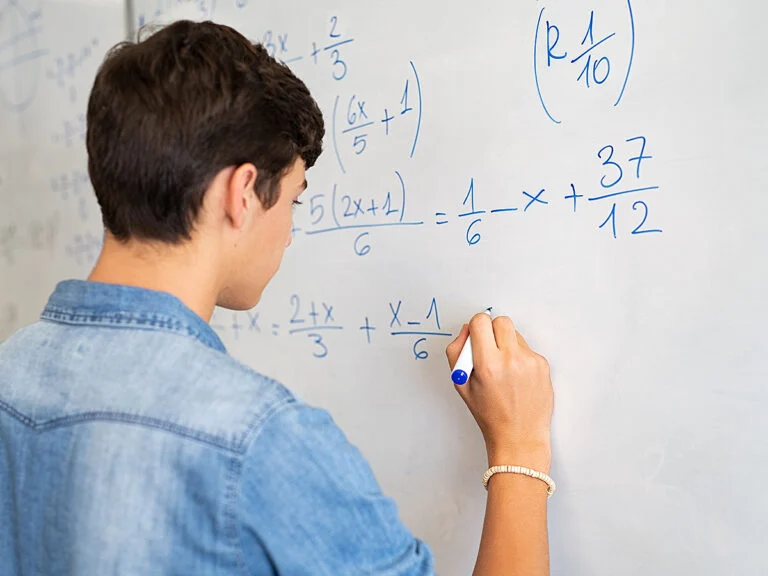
x=241, y=194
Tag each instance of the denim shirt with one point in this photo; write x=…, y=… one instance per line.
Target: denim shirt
x=131, y=443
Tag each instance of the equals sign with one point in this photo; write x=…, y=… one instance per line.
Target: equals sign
x=275, y=329
x=442, y=215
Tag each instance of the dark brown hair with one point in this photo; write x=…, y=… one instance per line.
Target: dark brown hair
x=168, y=113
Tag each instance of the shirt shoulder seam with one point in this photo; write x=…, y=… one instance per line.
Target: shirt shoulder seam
x=234, y=447
x=122, y=417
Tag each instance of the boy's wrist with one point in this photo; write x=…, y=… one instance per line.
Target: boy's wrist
x=537, y=456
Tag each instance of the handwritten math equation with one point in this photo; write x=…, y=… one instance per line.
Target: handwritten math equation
x=620, y=177
x=619, y=197
x=591, y=53
x=316, y=323
x=595, y=56
x=361, y=212
x=353, y=131
x=327, y=50
x=589, y=50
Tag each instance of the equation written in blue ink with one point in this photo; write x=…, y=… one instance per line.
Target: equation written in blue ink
x=330, y=50
x=618, y=199
x=355, y=124
x=358, y=213
x=621, y=178
x=315, y=323
x=590, y=56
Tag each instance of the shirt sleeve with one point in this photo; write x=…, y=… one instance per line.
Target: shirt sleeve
x=310, y=503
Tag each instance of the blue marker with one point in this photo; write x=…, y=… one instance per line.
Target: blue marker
x=462, y=370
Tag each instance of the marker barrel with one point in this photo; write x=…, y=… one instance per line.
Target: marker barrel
x=463, y=368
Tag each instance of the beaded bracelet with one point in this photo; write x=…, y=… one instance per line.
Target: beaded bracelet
x=520, y=470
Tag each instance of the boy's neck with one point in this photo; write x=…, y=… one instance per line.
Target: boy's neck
x=184, y=270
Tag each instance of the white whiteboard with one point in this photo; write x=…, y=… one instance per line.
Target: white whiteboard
x=655, y=338
x=50, y=225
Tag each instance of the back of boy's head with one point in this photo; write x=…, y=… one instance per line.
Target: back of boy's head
x=168, y=113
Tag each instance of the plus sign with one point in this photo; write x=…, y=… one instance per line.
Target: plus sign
x=367, y=329
x=236, y=326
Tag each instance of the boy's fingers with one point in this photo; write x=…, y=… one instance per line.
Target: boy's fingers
x=483, y=341
x=504, y=332
x=453, y=349
x=522, y=342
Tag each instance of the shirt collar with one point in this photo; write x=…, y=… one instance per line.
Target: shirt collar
x=97, y=303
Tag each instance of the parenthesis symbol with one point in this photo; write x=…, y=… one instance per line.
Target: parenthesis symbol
x=418, y=121
x=335, y=145
x=631, y=52
x=536, y=68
